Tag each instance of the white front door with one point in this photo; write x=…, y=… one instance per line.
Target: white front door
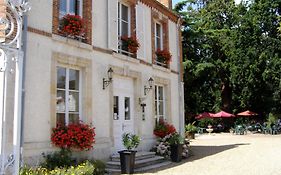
x=123, y=109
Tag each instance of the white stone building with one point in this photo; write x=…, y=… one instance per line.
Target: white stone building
x=60, y=68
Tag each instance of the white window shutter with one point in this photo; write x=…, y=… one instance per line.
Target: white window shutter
x=112, y=24
x=140, y=20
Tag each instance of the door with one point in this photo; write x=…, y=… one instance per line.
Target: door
x=123, y=110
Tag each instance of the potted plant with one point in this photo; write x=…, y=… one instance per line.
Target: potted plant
x=176, y=142
x=72, y=26
x=127, y=157
x=190, y=130
x=130, y=44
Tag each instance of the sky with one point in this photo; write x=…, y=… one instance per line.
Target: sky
x=176, y=1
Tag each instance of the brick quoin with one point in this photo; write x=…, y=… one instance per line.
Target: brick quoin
x=87, y=17
x=167, y=3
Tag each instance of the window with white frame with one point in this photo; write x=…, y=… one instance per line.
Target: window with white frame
x=123, y=21
x=159, y=102
x=68, y=101
x=73, y=7
x=158, y=37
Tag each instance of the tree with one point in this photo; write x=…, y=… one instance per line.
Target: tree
x=229, y=52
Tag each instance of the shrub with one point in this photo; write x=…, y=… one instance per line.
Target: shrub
x=130, y=141
x=78, y=136
x=163, y=129
x=86, y=168
x=58, y=159
x=190, y=128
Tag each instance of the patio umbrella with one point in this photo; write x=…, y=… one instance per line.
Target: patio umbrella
x=204, y=115
x=223, y=114
x=247, y=113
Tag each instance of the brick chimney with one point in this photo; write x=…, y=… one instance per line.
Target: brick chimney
x=167, y=3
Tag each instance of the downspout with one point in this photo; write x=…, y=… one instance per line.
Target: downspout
x=180, y=82
x=24, y=48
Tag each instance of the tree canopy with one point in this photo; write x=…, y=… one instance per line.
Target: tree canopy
x=232, y=55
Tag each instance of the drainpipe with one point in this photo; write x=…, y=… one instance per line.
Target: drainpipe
x=180, y=83
x=24, y=48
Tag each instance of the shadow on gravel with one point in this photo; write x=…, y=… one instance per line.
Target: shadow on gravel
x=199, y=152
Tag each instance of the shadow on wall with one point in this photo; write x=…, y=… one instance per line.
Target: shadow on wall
x=199, y=152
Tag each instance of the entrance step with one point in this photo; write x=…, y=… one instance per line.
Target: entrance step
x=144, y=161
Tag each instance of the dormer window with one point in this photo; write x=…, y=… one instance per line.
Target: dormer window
x=73, y=7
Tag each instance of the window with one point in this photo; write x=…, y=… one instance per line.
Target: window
x=123, y=20
x=127, y=108
x=159, y=102
x=158, y=36
x=123, y=25
x=73, y=7
x=68, y=101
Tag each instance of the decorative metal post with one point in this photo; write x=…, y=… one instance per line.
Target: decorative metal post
x=11, y=63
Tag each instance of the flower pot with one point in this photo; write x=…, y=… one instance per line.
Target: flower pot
x=127, y=161
x=176, y=152
x=190, y=135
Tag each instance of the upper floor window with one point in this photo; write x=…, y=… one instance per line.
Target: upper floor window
x=158, y=37
x=68, y=106
x=73, y=7
x=123, y=20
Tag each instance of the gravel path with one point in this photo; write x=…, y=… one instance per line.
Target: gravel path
x=227, y=154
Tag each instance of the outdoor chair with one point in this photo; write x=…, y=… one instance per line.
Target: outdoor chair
x=201, y=130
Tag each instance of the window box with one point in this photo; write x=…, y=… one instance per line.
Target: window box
x=163, y=57
x=72, y=26
x=130, y=45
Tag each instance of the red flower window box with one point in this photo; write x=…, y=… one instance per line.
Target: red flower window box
x=163, y=56
x=130, y=44
x=72, y=26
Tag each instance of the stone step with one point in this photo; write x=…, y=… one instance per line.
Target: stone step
x=141, y=169
x=138, y=163
x=139, y=156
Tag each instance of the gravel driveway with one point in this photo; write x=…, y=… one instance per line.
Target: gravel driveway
x=227, y=154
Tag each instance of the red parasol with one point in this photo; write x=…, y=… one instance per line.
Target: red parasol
x=204, y=115
x=223, y=114
x=247, y=113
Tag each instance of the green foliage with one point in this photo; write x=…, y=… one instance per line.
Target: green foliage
x=58, y=159
x=130, y=141
x=203, y=123
x=86, y=168
x=232, y=55
x=176, y=139
x=190, y=127
x=272, y=119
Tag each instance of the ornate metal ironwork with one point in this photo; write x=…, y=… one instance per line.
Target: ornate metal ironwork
x=11, y=58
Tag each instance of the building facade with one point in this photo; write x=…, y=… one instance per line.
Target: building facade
x=68, y=78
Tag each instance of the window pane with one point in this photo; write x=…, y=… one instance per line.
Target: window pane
x=61, y=73
x=73, y=79
x=60, y=119
x=125, y=30
x=73, y=118
x=60, y=101
x=62, y=6
x=125, y=11
x=115, y=108
x=158, y=30
x=73, y=102
x=158, y=43
x=161, y=107
x=72, y=5
x=160, y=93
x=127, y=108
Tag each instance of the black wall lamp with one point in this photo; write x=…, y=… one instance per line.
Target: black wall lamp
x=150, y=83
x=107, y=81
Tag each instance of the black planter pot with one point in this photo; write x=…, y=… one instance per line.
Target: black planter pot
x=127, y=161
x=176, y=152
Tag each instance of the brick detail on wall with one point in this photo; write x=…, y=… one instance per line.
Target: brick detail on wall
x=133, y=19
x=87, y=17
